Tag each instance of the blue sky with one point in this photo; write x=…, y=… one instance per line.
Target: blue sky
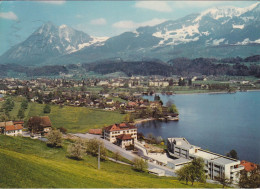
x=18, y=19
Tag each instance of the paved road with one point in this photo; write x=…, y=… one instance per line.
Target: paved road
x=126, y=154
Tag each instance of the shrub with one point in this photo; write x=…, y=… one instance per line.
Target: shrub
x=140, y=164
x=77, y=149
x=54, y=138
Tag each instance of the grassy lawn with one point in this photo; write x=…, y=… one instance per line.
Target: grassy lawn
x=27, y=163
x=74, y=119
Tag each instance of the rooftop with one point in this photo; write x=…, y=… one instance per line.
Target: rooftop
x=180, y=161
x=182, y=142
x=249, y=166
x=118, y=127
x=13, y=127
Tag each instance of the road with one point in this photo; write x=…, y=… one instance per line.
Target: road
x=126, y=154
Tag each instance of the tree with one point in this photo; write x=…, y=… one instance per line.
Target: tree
x=140, y=164
x=184, y=173
x=77, y=149
x=63, y=130
x=250, y=179
x=20, y=114
x=192, y=172
x=173, y=109
x=54, y=138
x=47, y=109
x=92, y=148
x=116, y=155
x=157, y=98
x=232, y=154
x=24, y=104
x=129, y=118
x=197, y=170
x=222, y=179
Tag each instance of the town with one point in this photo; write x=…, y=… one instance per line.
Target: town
x=164, y=157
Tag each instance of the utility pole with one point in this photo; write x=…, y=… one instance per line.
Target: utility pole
x=99, y=156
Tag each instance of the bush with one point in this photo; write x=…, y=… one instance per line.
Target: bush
x=140, y=164
x=47, y=109
x=54, y=138
x=92, y=148
x=63, y=130
x=77, y=149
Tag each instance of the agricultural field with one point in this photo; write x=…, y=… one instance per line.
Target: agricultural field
x=28, y=163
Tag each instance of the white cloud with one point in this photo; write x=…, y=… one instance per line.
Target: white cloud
x=129, y=24
x=8, y=15
x=160, y=6
x=99, y=21
x=60, y=2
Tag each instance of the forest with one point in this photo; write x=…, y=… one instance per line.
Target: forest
x=236, y=66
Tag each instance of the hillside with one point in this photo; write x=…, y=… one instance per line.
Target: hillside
x=27, y=163
x=74, y=119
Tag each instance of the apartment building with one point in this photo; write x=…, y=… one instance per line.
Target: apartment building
x=215, y=164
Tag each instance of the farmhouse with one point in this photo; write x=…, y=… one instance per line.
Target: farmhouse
x=215, y=164
x=11, y=128
x=39, y=124
x=122, y=134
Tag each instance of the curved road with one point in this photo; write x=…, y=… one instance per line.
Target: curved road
x=126, y=154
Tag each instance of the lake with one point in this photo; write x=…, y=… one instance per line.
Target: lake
x=216, y=122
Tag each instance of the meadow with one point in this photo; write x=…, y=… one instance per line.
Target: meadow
x=28, y=163
x=74, y=119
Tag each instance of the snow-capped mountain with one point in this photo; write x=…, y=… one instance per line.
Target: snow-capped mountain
x=216, y=32
x=49, y=41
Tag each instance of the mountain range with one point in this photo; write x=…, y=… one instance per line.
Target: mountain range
x=214, y=33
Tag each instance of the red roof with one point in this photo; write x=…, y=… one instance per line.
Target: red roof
x=124, y=137
x=13, y=127
x=18, y=122
x=118, y=127
x=248, y=165
x=95, y=131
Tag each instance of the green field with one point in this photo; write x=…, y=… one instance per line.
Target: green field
x=27, y=163
x=74, y=119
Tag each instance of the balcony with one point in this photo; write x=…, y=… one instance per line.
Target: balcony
x=239, y=168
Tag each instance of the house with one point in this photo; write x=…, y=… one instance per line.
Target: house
x=122, y=134
x=11, y=128
x=124, y=140
x=248, y=165
x=109, y=101
x=215, y=164
x=38, y=124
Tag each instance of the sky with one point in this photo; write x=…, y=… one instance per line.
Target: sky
x=19, y=19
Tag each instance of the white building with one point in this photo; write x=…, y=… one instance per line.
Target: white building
x=10, y=128
x=122, y=134
x=215, y=164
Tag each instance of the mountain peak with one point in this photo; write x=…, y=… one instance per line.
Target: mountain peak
x=63, y=26
x=220, y=12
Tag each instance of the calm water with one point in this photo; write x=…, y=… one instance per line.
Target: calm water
x=219, y=122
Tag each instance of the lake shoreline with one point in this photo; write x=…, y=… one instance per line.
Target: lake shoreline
x=217, y=92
